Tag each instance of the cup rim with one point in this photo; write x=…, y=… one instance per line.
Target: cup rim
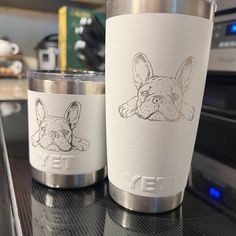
x=69, y=75
x=202, y=8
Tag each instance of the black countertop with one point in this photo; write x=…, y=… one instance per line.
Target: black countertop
x=6, y=218
x=87, y=211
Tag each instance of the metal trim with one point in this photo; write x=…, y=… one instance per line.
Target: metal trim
x=200, y=8
x=58, y=82
x=145, y=204
x=68, y=181
x=217, y=117
x=225, y=18
x=66, y=87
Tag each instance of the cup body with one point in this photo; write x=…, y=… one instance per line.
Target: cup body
x=157, y=55
x=66, y=115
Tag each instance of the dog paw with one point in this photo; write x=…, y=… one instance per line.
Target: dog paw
x=126, y=111
x=83, y=145
x=35, y=140
x=189, y=113
x=157, y=117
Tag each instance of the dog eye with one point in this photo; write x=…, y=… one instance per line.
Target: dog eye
x=155, y=100
x=65, y=132
x=144, y=93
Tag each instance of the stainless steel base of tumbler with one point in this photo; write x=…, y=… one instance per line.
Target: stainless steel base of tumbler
x=145, y=204
x=68, y=181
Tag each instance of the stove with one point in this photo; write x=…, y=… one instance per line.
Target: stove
x=38, y=210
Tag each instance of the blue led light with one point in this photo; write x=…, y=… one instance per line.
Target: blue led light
x=214, y=193
x=233, y=28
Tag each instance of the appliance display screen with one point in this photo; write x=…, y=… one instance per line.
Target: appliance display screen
x=231, y=29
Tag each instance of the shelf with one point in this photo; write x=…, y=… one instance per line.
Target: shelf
x=51, y=6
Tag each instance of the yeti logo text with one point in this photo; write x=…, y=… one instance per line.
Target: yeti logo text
x=159, y=98
x=52, y=161
x=151, y=184
x=57, y=133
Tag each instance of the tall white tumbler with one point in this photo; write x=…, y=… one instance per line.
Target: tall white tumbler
x=157, y=54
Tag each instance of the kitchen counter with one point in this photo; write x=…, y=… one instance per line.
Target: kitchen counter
x=13, y=89
x=89, y=211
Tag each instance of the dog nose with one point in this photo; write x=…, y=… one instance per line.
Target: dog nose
x=54, y=134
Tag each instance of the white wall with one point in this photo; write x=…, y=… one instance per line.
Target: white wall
x=27, y=28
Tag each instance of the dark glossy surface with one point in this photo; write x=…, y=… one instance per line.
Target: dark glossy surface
x=6, y=228
x=219, y=97
x=90, y=211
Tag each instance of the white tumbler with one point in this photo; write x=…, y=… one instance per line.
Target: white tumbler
x=66, y=114
x=157, y=54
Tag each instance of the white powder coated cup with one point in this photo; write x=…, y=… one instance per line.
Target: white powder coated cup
x=157, y=54
x=67, y=141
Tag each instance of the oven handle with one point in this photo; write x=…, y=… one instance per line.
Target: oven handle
x=217, y=117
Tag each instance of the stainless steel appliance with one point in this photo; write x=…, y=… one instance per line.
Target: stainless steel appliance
x=47, y=53
x=223, y=52
x=214, y=167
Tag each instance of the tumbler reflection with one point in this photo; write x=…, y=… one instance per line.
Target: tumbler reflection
x=122, y=222
x=75, y=212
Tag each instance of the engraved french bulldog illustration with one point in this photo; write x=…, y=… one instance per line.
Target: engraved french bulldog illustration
x=159, y=98
x=57, y=133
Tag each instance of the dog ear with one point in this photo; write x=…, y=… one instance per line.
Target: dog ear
x=72, y=114
x=41, y=111
x=142, y=70
x=184, y=73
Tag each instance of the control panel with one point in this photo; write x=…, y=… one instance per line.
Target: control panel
x=223, y=49
x=224, y=35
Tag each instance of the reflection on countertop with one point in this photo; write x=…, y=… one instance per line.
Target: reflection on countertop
x=57, y=212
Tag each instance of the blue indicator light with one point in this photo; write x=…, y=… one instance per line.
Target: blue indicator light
x=233, y=28
x=214, y=193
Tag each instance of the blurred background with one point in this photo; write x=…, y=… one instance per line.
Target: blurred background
x=48, y=35
x=58, y=34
